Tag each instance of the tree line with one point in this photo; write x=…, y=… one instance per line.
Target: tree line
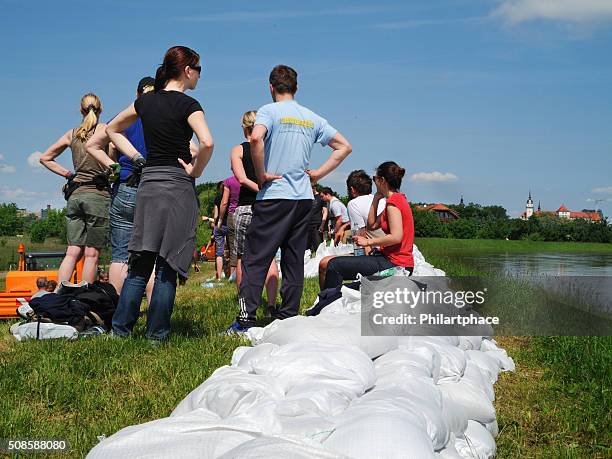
x=492, y=222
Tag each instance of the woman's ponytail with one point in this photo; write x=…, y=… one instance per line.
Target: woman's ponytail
x=91, y=108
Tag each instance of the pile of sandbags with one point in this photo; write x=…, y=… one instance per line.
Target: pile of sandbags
x=313, y=387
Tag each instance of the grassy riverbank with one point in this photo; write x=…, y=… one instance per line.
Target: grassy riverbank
x=556, y=404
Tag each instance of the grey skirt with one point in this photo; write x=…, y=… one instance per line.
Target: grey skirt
x=166, y=216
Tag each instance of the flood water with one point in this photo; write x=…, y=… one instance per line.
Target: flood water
x=547, y=264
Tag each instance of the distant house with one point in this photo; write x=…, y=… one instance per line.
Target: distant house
x=562, y=212
x=44, y=213
x=441, y=211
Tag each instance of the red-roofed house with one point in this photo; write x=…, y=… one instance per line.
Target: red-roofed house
x=442, y=212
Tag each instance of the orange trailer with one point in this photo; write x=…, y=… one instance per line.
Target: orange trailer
x=21, y=284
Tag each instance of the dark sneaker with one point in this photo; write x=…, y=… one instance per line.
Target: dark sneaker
x=236, y=329
x=93, y=331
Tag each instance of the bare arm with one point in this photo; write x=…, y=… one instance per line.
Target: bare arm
x=198, y=123
x=116, y=128
x=324, y=219
x=48, y=157
x=341, y=149
x=257, y=154
x=97, y=144
x=223, y=206
x=373, y=219
x=238, y=169
x=396, y=230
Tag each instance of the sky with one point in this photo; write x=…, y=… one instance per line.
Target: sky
x=485, y=99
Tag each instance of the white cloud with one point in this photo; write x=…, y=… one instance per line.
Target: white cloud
x=573, y=11
x=434, y=176
x=5, y=168
x=34, y=160
x=602, y=189
x=19, y=193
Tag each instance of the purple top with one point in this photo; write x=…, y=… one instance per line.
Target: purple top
x=234, y=186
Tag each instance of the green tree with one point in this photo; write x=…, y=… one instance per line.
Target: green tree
x=10, y=221
x=426, y=224
x=464, y=228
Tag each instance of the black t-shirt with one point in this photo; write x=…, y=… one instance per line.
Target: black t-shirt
x=247, y=196
x=316, y=213
x=218, y=200
x=166, y=130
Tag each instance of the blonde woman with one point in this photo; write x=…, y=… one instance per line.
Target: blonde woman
x=88, y=193
x=244, y=171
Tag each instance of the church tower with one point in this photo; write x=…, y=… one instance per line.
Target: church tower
x=529, y=206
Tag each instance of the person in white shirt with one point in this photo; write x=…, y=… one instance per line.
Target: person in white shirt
x=337, y=211
x=359, y=187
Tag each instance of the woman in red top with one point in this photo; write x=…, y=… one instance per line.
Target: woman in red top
x=395, y=221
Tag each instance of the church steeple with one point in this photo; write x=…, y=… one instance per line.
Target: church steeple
x=539, y=208
x=529, y=206
x=461, y=202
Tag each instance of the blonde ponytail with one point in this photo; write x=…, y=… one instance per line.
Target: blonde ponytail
x=91, y=107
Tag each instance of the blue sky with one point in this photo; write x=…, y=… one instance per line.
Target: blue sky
x=485, y=98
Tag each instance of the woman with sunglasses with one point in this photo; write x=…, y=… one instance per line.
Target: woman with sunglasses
x=395, y=221
x=167, y=212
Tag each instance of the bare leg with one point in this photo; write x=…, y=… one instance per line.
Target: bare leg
x=149, y=287
x=238, y=273
x=91, y=264
x=272, y=283
x=73, y=255
x=323, y=270
x=219, y=261
x=117, y=274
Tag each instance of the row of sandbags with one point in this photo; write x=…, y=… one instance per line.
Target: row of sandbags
x=313, y=387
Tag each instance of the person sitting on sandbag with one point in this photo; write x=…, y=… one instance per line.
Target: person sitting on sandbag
x=395, y=221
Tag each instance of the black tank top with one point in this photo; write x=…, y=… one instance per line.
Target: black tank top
x=247, y=196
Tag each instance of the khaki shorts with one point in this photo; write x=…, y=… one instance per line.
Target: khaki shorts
x=87, y=222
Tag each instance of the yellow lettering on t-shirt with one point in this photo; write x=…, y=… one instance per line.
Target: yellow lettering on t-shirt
x=296, y=121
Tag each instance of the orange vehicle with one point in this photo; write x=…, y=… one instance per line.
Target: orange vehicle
x=21, y=284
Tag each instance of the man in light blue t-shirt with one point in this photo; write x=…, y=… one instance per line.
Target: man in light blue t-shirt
x=281, y=145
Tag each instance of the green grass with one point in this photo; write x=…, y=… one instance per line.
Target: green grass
x=558, y=401
x=82, y=389
x=556, y=404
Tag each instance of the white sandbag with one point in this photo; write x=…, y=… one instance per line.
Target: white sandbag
x=230, y=391
x=329, y=328
x=473, y=401
x=281, y=448
x=423, y=360
x=474, y=376
x=381, y=435
x=198, y=434
x=449, y=451
x=35, y=330
x=470, y=342
x=244, y=355
x=477, y=443
x=489, y=344
x=345, y=366
x=455, y=415
x=452, y=359
x=328, y=397
x=395, y=399
x=489, y=365
x=493, y=428
x=505, y=362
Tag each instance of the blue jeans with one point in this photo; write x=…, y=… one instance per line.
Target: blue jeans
x=122, y=221
x=162, y=298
